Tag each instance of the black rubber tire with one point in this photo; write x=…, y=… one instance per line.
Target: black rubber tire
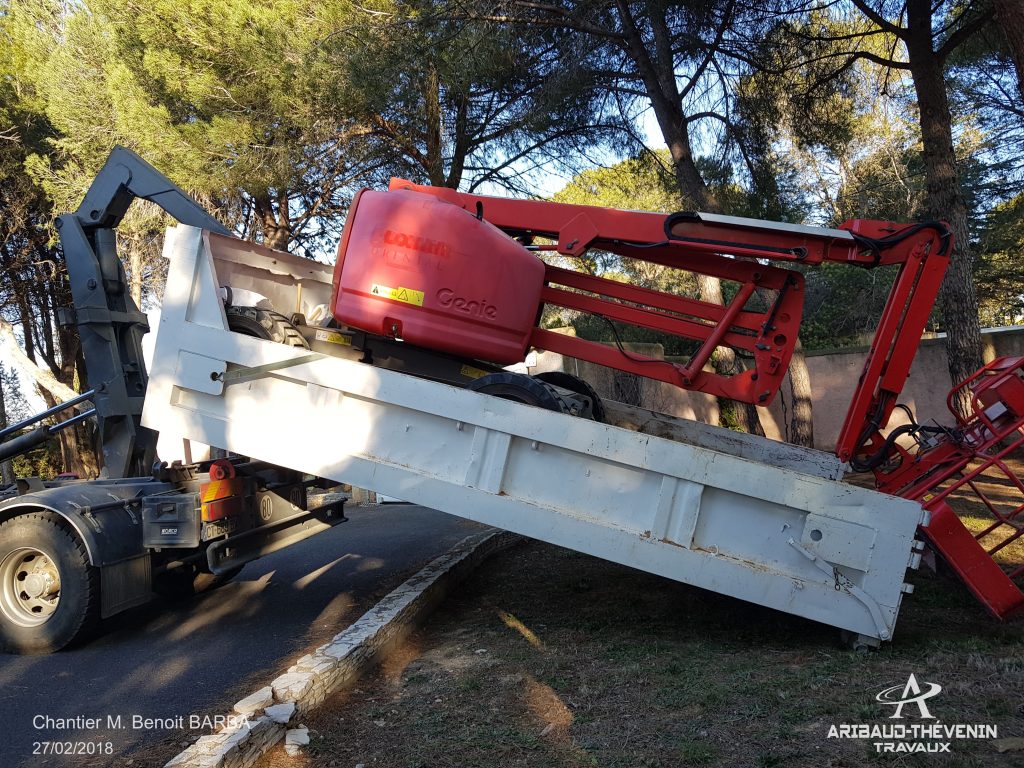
x=518, y=387
x=264, y=324
x=78, y=608
x=579, y=386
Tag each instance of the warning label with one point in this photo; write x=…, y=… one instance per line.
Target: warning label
x=334, y=338
x=405, y=295
x=473, y=373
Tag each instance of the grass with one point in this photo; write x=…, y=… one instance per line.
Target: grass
x=547, y=657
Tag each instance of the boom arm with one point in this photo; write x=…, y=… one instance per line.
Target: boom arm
x=724, y=246
x=109, y=323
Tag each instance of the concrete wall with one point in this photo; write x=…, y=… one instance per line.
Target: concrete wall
x=833, y=375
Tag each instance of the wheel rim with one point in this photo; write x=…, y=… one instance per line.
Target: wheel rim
x=31, y=587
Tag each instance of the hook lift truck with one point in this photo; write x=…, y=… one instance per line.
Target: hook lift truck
x=399, y=387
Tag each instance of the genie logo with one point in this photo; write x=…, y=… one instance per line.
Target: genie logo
x=910, y=694
x=450, y=300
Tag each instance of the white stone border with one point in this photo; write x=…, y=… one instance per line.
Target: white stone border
x=262, y=718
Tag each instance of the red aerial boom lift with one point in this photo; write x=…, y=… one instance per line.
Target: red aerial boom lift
x=421, y=234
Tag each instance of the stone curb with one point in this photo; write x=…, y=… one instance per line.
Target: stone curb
x=261, y=719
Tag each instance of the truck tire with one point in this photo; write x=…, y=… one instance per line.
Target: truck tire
x=49, y=593
x=264, y=324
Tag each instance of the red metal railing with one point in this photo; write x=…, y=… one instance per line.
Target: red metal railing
x=962, y=461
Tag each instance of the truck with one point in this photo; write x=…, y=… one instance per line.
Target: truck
x=389, y=373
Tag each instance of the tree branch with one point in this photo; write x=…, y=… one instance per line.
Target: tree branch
x=713, y=49
x=878, y=19
x=881, y=61
x=959, y=37
x=42, y=377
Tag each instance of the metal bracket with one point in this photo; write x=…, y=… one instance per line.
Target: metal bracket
x=240, y=375
x=844, y=584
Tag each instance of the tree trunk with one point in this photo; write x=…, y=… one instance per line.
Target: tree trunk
x=6, y=467
x=77, y=456
x=78, y=459
x=724, y=359
x=275, y=234
x=672, y=122
x=656, y=67
x=693, y=187
x=1010, y=16
x=74, y=457
x=945, y=199
x=135, y=275
x=434, y=129
x=43, y=377
x=801, y=418
x=75, y=442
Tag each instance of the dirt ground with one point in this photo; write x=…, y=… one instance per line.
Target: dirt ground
x=547, y=657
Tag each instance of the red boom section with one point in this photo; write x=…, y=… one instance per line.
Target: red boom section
x=762, y=319
x=923, y=258
x=766, y=336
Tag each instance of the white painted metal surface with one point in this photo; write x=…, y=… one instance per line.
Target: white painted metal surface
x=824, y=550
x=773, y=226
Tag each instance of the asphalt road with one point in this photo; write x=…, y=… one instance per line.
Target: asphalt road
x=173, y=661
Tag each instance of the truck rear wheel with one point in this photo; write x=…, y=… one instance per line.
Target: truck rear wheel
x=264, y=324
x=49, y=593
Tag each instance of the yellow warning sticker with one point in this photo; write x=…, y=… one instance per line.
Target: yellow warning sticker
x=405, y=295
x=472, y=373
x=334, y=337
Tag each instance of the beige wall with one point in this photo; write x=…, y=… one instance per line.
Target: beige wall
x=834, y=377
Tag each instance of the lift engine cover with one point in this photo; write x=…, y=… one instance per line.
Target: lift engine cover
x=416, y=268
